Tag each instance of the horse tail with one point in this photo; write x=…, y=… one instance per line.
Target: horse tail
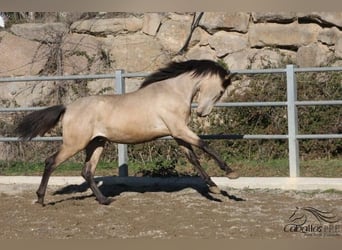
x=39, y=122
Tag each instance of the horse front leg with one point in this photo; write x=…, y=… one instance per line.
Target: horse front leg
x=190, y=137
x=193, y=159
x=230, y=173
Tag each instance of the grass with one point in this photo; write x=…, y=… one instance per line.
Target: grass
x=247, y=168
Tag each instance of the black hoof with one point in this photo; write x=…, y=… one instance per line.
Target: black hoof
x=233, y=175
x=106, y=201
x=40, y=202
x=214, y=190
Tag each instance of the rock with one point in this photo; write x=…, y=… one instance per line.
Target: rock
x=201, y=52
x=199, y=36
x=26, y=94
x=313, y=55
x=45, y=32
x=214, y=21
x=288, y=57
x=338, y=48
x=151, y=23
x=80, y=53
x=132, y=84
x=240, y=60
x=266, y=58
x=228, y=42
x=281, y=35
x=173, y=34
x=75, y=64
x=136, y=53
x=107, y=86
x=333, y=18
x=337, y=63
x=35, y=93
x=326, y=18
x=179, y=17
x=101, y=87
x=20, y=56
x=258, y=59
x=274, y=17
x=108, y=26
x=329, y=36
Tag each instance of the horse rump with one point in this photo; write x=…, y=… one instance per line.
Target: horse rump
x=39, y=122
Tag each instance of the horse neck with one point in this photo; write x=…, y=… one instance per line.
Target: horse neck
x=185, y=85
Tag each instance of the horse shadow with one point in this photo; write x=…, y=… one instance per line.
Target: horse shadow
x=112, y=188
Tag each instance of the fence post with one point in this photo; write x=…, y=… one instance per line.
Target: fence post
x=122, y=148
x=292, y=121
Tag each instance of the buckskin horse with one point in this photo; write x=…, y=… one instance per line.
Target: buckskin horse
x=160, y=107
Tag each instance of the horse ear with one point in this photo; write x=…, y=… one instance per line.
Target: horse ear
x=228, y=78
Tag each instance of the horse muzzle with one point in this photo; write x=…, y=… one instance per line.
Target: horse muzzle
x=203, y=112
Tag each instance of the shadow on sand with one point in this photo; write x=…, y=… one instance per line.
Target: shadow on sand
x=113, y=186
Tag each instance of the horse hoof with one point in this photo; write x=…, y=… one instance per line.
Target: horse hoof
x=40, y=203
x=214, y=190
x=106, y=201
x=233, y=175
x=40, y=200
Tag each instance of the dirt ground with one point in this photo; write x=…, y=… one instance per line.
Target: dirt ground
x=165, y=212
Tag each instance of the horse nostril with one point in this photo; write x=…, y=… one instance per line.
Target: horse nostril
x=201, y=113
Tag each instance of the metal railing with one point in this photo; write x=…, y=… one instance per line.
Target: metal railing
x=291, y=103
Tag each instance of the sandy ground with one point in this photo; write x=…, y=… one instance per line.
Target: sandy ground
x=165, y=212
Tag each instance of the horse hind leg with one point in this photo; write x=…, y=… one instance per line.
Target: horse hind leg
x=51, y=163
x=93, y=153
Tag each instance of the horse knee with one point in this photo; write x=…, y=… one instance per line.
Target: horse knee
x=49, y=162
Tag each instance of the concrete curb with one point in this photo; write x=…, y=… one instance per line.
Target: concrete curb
x=284, y=183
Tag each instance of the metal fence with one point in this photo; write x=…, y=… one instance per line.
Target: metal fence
x=292, y=103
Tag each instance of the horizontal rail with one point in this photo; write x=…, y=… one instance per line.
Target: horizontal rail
x=220, y=104
x=234, y=137
x=56, y=78
x=39, y=138
x=21, y=109
x=313, y=103
x=69, y=77
x=246, y=104
x=320, y=136
x=320, y=69
x=206, y=137
x=144, y=74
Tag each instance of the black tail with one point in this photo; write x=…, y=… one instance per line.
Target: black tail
x=39, y=122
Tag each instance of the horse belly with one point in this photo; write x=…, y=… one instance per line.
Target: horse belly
x=133, y=129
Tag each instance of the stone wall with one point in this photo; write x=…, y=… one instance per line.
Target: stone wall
x=147, y=41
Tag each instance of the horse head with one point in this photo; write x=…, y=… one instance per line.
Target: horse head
x=210, y=90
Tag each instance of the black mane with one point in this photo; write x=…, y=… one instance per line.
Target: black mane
x=174, y=69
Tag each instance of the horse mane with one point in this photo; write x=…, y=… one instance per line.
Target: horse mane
x=197, y=67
